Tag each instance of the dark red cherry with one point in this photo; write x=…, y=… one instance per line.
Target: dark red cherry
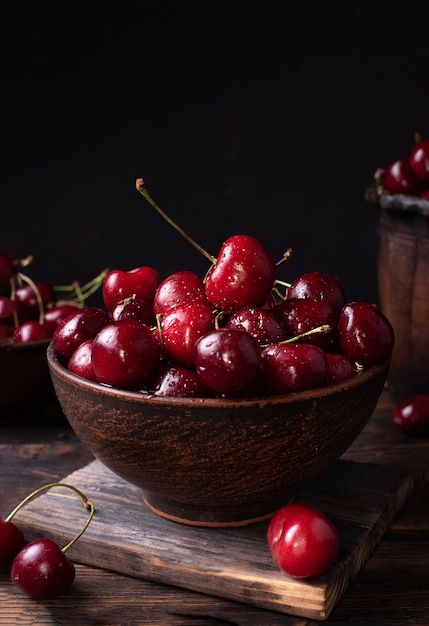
x=42, y=570
x=365, y=334
x=81, y=361
x=243, y=274
x=26, y=301
x=419, y=161
x=78, y=327
x=125, y=354
x=178, y=382
x=119, y=285
x=260, y=323
x=56, y=314
x=293, y=367
x=303, y=541
x=398, y=177
x=424, y=194
x=11, y=542
x=182, y=327
x=318, y=286
x=31, y=331
x=177, y=289
x=7, y=308
x=340, y=367
x=412, y=415
x=299, y=316
x=134, y=309
x=228, y=362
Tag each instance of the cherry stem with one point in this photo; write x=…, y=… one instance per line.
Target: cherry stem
x=129, y=300
x=285, y=257
x=160, y=331
x=141, y=188
x=218, y=318
x=320, y=330
x=88, y=504
x=283, y=283
x=278, y=293
x=79, y=294
x=378, y=178
x=94, y=282
x=36, y=292
x=25, y=262
x=12, y=297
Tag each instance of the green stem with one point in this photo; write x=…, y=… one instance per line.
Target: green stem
x=36, y=291
x=13, y=297
x=320, y=330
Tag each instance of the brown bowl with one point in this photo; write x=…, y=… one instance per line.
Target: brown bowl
x=209, y=461
x=25, y=382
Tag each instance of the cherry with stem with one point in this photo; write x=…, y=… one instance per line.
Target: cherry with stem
x=324, y=329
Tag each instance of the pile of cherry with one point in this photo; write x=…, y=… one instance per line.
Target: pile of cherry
x=408, y=175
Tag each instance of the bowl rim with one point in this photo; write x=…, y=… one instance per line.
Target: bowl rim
x=228, y=403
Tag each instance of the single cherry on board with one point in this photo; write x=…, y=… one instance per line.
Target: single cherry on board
x=365, y=334
x=31, y=331
x=399, y=177
x=300, y=315
x=412, y=415
x=119, y=285
x=11, y=542
x=80, y=362
x=178, y=382
x=339, y=368
x=259, y=323
x=293, y=367
x=178, y=289
x=419, y=161
x=318, y=286
x=78, y=327
x=181, y=328
x=303, y=541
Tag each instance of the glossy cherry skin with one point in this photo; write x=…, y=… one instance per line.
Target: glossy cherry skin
x=42, y=570
x=76, y=328
x=340, y=367
x=243, y=274
x=31, y=331
x=26, y=302
x=177, y=289
x=318, y=286
x=181, y=329
x=293, y=367
x=412, y=415
x=299, y=316
x=56, y=314
x=303, y=541
x=81, y=361
x=228, y=362
x=7, y=307
x=11, y=542
x=419, y=161
x=178, y=382
x=125, y=354
x=259, y=323
x=119, y=285
x=365, y=334
x=424, y=194
x=398, y=177
x=136, y=310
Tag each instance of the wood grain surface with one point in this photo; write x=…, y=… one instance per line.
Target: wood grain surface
x=392, y=589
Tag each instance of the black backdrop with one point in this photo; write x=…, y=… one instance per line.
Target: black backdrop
x=262, y=118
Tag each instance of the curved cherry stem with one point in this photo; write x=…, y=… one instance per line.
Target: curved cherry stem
x=158, y=318
x=319, y=330
x=13, y=297
x=36, y=292
x=285, y=257
x=283, y=283
x=278, y=293
x=88, y=288
x=25, y=262
x=141, y=188
x=87, y=503
x=378, y=179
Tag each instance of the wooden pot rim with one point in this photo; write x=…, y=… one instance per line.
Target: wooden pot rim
x=398, y=203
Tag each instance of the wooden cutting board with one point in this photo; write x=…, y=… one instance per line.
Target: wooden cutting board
x=362, y=499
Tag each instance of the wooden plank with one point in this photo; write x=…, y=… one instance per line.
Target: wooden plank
x=125, y=537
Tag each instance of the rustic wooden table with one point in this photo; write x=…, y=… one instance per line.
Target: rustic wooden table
x=393, y=588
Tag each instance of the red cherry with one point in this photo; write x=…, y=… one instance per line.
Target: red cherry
x=412, y=415
x=78, y=327
x=31, y=331
x=179, y=288
x=340, y=367
x=119, y=285
x=81, y=361
x=261, y=324
x=11, y=542
x=365, y=334
x=178, y=382
x=125, y=354
x=228, y=362
x=293, y=367
x=398, y=177
x=7, y=308
x=243, y=274
x=419, y=161
x=299, y=316
x=318, y=286
x=303, y=541
x=42, y=570
x=424, y=194
x=134, y=309
x=26, y=301
x=182, y=327
x=58, y=313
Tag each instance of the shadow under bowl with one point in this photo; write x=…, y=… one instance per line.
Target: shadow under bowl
x=217, y=462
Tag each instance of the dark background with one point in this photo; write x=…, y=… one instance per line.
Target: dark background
x=261, y=118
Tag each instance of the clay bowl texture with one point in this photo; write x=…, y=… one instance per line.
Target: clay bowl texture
x=25, y=382
x=216, y=462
